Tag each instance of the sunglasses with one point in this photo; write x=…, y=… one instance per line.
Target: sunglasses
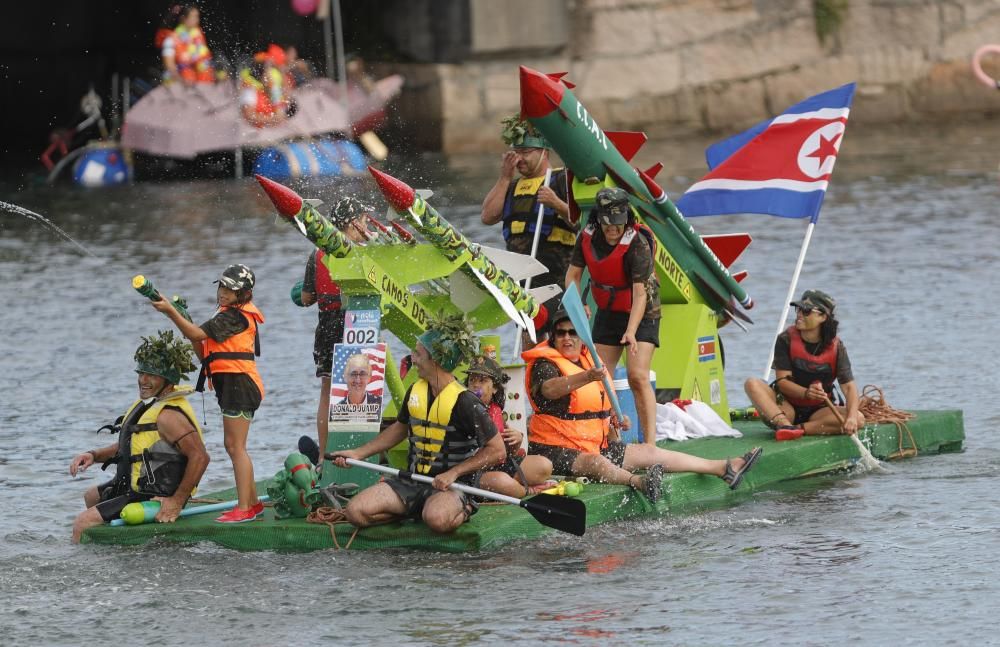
x=807, y=311
x=560, y=332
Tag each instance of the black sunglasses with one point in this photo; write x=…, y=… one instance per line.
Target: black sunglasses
x=559, y=332
x=807, y=311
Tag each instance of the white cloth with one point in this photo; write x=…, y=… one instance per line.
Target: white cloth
x=698, y=420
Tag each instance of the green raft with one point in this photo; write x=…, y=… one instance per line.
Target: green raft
x=495, y=525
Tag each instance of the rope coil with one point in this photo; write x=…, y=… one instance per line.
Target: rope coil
x=331, y=517
x=877, y=411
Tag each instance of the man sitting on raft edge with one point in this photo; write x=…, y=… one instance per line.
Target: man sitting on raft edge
x=160, y=453
x=452, y=438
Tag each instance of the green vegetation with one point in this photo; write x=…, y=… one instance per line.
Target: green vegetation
x=829, y=16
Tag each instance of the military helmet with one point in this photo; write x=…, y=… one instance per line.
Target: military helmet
x=237, y=277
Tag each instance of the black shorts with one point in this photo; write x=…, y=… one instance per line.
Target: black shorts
x=509, y=466
x=609, y=326
x=563, y=457
x=115, y=495
x=414, y=495
x=329, y=331
x=803, y=414
x=236, y=392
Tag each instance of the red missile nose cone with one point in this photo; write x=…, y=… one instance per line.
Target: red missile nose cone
x=655, y=189
x=540, y=94
x=287, y=202
x=399, y=194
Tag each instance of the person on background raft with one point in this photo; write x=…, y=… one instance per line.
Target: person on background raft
x=572, y=422
x=519, y=475
x=166, y=44
x=514, y=202
x=160, y=453
x=619, y=253
x=350, y=215
x=808, y=358
x=192, y=58
x=452, y=438
x=228, y=345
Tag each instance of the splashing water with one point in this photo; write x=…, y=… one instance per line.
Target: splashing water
x=13, y=208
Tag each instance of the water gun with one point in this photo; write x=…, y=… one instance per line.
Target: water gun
x=140, y=512
x=145, y=287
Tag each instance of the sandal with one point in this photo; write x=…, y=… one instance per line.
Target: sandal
x=735, y=477
x=652, y=483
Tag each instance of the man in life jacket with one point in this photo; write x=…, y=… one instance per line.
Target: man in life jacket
x=572, y=422
x=515, y=203
x=160, y=454
x=350, y=215
x=808, y=358
x=452, y=438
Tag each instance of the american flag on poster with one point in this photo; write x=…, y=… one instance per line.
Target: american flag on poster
x=357, y=385
x=780, y=167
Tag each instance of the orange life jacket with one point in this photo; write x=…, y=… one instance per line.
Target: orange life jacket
x=585, y=425
x=238, y=353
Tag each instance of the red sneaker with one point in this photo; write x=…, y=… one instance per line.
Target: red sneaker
x=788, y=432
x=238, y=516
x=258, y=508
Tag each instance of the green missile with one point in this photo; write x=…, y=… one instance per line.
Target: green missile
x=452, y=243
x=593, y=155
x=145, y=287
x=310, y=222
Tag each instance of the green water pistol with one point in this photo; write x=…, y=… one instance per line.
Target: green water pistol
x=145, y=287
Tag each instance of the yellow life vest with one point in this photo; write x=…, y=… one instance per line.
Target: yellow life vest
x=435, y=445
x=150, y=459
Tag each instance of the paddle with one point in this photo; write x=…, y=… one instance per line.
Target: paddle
x=574, y=308
x=562, y=513
x=868, y=461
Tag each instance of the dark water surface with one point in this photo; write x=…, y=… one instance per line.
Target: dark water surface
x=908, y=244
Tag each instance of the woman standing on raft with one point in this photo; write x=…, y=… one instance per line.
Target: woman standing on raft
x=618, y=252
x=227, y=345
x=808, y=357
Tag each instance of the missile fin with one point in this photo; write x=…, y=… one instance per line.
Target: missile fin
x=653, y=170
x=727, y=247
x=543, y=293
x=718, y=301
x=739, y=276
x=627, y=142
x=558, y=76
x=517, y=265
x=502, y=299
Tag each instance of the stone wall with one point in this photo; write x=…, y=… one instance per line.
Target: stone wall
x=670, y=67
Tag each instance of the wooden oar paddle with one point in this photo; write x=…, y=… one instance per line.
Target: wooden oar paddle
x=868, y=461
x=559, y=512
x=573, y=305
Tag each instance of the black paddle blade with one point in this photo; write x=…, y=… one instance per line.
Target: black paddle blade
x=559, y=512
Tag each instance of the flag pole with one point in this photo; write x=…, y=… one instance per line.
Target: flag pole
x=791, y=294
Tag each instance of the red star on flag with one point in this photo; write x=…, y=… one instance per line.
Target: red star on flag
x=827, y=148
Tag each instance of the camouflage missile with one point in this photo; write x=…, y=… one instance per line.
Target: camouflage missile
x=593, y=154
x=453, y=244
x=309, y=221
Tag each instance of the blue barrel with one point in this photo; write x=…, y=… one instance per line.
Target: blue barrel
x=310, y=158
x=101, y=167
x=627, y=402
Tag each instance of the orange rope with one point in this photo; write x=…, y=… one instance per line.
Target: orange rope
x=331, y=517
x=877, y=411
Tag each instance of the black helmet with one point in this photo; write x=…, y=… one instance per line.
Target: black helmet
x=483, y=365
x=347, y=210
x=237, y=277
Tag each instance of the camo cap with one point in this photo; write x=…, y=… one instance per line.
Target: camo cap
x=347, y=210
x=486, y=366
x=611, y=206
x=816, y=299
x=237, y=277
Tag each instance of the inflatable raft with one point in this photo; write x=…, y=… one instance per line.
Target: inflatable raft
x=932, y=432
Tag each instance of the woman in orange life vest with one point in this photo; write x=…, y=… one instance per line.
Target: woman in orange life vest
x=808, y=357
x=193, y=59
x=228, y=345
x=572, y=422
x=618, y=252
x=350, y=215
x=519, y=475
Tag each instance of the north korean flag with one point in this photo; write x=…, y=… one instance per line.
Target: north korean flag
x=779, y=167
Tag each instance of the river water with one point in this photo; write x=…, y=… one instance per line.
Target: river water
x=907, y=243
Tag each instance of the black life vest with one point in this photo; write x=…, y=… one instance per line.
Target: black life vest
x=520, y=211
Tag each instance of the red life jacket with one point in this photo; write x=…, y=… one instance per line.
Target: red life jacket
x=327, y=291
x=808, y=368
x=610, y=285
